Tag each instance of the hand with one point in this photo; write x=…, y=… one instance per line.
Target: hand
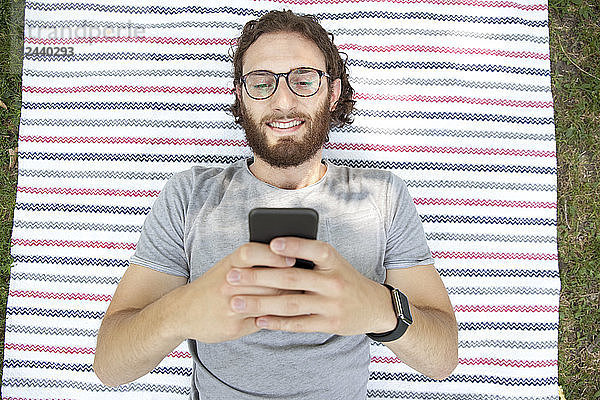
x=337, y=298
x=206, y=305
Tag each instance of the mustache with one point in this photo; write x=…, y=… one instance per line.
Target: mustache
x=286, y=116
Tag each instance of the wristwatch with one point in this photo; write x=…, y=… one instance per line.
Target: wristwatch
x=402, y=311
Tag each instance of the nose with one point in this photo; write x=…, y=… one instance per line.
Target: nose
x=283, y=99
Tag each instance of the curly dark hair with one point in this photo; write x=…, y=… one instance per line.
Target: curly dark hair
x=309, y=27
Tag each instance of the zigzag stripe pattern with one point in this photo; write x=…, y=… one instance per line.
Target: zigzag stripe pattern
x=493, y=256
x=502, y=290
x=466, y=121
x=376, y=375
x=83, y=208
x=510, y=308
x=59, y=296
x=394, y=394
x=508, y=344
x=87, y=262
x=89, y=192
x=467, y=237
x=132, y=122
x=123, y=56
x=128, y=72
x=77, y=226
x=448, y=65
x=130, y=24
x=129, y=175
x=451, y=83
x=483, y=203
x=504, y=273
x=73, y=243
x=124, y=105
x=127, y=88
x=482, y=361
x=44, y=312
x=36, y=330
x=507, y=326
x=87, y=279
x=481, y=185
x=468, y=219
x=11, y=363
x=455, y=115
x=99, y=388
x=439, y=32
x=445, y=132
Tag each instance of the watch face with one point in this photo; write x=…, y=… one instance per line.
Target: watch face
x=402, y=307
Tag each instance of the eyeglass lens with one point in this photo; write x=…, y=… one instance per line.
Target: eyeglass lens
x=302, y=81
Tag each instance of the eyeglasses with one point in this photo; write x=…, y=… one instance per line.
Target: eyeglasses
x=303, y=81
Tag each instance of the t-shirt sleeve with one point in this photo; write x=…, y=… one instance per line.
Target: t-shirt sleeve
x=406, y=243
x=161, y=243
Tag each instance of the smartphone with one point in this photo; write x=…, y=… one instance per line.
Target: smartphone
x=269, y=223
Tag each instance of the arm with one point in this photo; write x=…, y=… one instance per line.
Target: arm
x=430, y=344
x=137, y=331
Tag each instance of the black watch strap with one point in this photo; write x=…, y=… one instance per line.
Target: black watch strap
x=402, y=310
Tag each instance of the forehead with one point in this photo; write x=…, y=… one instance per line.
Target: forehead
x=282, y=51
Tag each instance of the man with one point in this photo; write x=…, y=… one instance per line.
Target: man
x=277, y=331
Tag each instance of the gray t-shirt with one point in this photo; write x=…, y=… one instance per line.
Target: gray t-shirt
x=201, y=216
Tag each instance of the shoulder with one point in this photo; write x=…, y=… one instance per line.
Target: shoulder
x=369, y=179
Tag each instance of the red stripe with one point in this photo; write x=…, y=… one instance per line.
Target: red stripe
x=501, y=256
x=134, y=39
x=73, y=350
x=127, y=88
x=505, y=308
x=451, y=50
x=482, y=202
x=483, y=361
x=475, y=3
x=59, y=296
x=329, y=145
x=455, y=99
x=72, y=243
x=89, y=192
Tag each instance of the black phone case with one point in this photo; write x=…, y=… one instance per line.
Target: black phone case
x=268, y=223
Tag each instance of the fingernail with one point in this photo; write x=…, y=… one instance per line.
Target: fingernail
x=278, y=244
x=233, y=276
x=262, y=323
x=290, y=261
x=239, y=304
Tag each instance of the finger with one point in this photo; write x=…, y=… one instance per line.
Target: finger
x=279, y=278
x=283, y=305
x=251, y=254
x=314, y=250
x=304, y=323
x=257, y=291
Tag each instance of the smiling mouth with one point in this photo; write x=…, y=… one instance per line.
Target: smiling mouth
x=285, y=125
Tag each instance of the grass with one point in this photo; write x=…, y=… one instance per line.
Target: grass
x=575, y=60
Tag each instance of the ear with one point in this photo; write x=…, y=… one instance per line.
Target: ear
x=336, y=91
x=238, y=92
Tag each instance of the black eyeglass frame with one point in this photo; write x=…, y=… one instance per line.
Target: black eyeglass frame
x=286, y=75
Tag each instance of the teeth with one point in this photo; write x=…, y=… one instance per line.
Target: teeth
x=285, y=125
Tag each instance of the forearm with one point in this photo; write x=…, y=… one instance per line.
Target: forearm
x=132, y=342
x=430, y=344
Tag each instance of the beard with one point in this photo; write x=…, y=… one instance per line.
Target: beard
x=288, y=152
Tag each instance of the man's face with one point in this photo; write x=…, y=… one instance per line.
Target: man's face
x=285, y=130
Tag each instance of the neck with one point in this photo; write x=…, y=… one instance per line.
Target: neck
x=290, y=177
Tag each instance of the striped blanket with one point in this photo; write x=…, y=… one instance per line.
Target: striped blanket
x=452, y=95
